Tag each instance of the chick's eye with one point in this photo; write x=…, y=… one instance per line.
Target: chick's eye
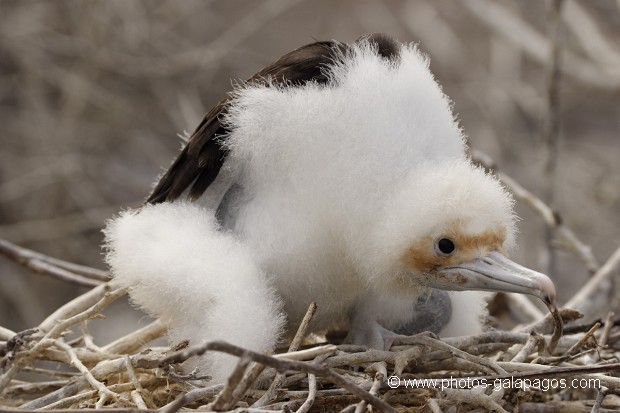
x=446, y=246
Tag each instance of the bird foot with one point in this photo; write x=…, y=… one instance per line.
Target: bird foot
x=372, y=334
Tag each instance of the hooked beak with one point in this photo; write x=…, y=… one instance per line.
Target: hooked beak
x=497, y=273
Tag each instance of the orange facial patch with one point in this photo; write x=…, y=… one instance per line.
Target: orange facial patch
x=423, y=256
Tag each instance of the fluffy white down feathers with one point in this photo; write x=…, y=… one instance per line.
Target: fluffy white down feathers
x=340, y=180
x=202, y=282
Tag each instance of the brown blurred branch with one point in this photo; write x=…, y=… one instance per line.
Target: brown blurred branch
x=57, y=227
x=42, y=264
x=34, y=260
x=595, y=294
x=593, y=41
x=507, y=24
x=551, y=121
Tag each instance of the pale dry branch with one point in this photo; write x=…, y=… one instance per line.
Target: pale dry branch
x=77, y=305
x=137, y=339
x=32, y=259
x=600, y=396
x=225, y=400
x=551, y=218
x=591, y=37
x=380, y=370
x=598, y=286
x=546, y=325
x=62, y=325
x=530, y=370
x=295, y=343
x=136, y=395
x=510, y=26
x=582, y=341
x=551, y=121
x=104, y=393
x=281, y=365
x=524, y=307
x=38, y=263
x=434, y=406
x=6, y=334
x=7, y=376
x=532, y=343
x=304, y=408
x=607, y=326
x=474, y=398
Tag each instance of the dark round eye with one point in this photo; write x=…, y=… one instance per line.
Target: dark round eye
x=446, y=246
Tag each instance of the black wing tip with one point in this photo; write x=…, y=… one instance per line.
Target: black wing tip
x=387, y=46
x=198, y=164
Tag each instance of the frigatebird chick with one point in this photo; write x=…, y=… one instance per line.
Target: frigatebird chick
x=337, y=174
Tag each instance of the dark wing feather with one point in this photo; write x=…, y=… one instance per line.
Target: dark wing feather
x=200, y=161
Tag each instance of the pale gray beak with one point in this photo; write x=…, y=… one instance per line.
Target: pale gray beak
x=495, y=273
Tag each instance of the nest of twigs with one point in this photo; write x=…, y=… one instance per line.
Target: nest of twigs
x=42, y=369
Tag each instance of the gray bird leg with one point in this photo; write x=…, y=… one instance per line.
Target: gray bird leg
x=368, y=332
x=431, y=311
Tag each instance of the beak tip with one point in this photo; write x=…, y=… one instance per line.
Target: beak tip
x=549, y=295
x=549, y=299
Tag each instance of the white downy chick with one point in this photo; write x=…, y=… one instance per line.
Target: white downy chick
x=346, y=182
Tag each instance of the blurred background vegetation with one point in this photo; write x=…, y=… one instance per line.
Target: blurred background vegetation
x=93, y=94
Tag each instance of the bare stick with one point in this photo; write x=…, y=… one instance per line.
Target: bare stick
x=136, y=395
x=33, y=388
x=304, y=408
x=7, y=376
x=136, y=339
x=308, y=354
x=527, y=370
x=434, y=406
x=104, y=392
x=65, y=402
x=6, y=334
x=191, y=397
x=248, y=380
x=527, y=349
x=485, y=364
x=582, y=341
x=295, y=343
x=225, y=400
x=551, y=122
x=609, y=323
x=77, y=305
x=32, y=259
x=523, y=306
x=62, y=325
x=546, y=325
x=598, y=285
x=501, y=20
x=380, y=370
x=138, y=400
x=281, y=365
x=303, y=327
x=474, y=398
x=600, y=396
x=18, y=255
x=587, y=31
